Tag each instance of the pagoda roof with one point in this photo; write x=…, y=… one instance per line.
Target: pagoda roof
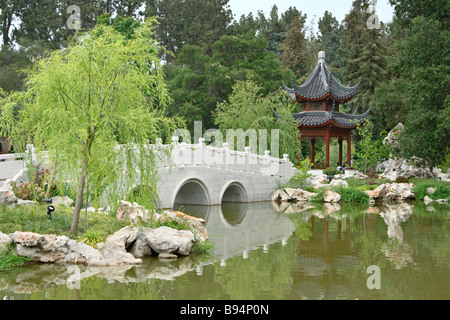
x=320, y=118
x=320, y=84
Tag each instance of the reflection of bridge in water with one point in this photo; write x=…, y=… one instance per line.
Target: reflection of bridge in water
x=237, y=228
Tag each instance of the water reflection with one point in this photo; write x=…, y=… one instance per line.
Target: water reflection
x=307, y=251
x=237, y=228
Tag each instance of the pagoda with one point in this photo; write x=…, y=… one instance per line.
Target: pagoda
x=320, y=96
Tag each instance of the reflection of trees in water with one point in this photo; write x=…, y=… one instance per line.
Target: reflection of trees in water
x=326, y=258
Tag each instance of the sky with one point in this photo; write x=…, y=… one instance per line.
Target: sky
x=338, y=8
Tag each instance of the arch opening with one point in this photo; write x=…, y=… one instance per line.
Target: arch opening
x=235, y=193
x=192, y=192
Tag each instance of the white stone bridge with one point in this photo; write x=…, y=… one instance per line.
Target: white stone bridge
x=197, y=174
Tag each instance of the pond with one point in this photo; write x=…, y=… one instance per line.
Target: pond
x=264, y=251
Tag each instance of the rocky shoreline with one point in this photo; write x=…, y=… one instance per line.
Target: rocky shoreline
x=125, y=247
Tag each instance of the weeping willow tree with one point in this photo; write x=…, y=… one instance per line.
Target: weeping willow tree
x=248, y=109
x=95, y=107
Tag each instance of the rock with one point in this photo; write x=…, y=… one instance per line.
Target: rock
x=140, y=247
x=43, y=248
x=62, y=201
x=331, y=196
x=331, y=207
x=132, y=212
x=114, y=250
x=378, y=192
x=402, y=190
x=427, y=200
x=339, y=183
x=5, y=241
x=26, y=202
x=431, y=190
x=442, y=201
x=292, y=195
x=168, y=240
x=81, y=253
x=167, y=256
x=390, y=196
x=7, y=197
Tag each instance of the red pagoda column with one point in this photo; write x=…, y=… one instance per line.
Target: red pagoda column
x=327, y=147
x=349, y=149
x=340, y=151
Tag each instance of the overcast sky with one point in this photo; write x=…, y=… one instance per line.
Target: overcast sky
x=339, y=8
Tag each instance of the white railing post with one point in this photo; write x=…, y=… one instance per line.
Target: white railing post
x=201, y=146
x=226, y=150
x=247, y=160
x=286, y=165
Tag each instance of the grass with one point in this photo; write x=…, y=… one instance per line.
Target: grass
x=95, y=229
x=421, y=185
x=348, y=195
x=10, y=259
x=34, y=218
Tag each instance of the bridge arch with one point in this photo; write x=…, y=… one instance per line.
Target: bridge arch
x=234, y=191
x=192, y=191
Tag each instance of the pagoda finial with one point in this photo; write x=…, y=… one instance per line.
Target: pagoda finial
x=321, y=56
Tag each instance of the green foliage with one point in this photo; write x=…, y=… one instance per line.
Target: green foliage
x=366, y=54
x=248, y=109
x=34, y=219
x=352, y=195
x=370, y=152
x=197, y=22
x=421, y=186
x=330, y=171
x=418, y=93
x=10, y=259
x=299, y=178
x=92, y=237
x=294, y=54
x=105, y=90
x=198, y=81
x=27, y=190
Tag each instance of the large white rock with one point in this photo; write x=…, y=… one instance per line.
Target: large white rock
x=331, y=196
x=132, y=212
x=62, y=201
x=168, y=240
x=5, y=241
x=339, y=183
x=7, y=197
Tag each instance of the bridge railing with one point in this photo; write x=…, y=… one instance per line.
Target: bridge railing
x=179, y=155
x=201, y=155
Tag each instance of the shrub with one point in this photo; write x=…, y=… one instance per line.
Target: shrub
x=28, y=191
x=352, y=195
x=92, y=238
x=10, y=259
x=330, y=171
x=421, y=186
x=299, y=179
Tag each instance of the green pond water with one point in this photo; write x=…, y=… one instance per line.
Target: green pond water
x=268, y=252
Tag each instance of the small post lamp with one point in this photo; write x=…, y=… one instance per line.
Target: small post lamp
x=50, y=209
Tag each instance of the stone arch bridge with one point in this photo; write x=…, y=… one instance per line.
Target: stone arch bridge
x=197, y=174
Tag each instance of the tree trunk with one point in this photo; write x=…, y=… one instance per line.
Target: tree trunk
x=79, y=201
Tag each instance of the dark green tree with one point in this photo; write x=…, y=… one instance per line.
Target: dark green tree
x=194, y=22
x=421, y=81
x=329, y=39
x=366, y=53
x=294, y=53
x=198, y=82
